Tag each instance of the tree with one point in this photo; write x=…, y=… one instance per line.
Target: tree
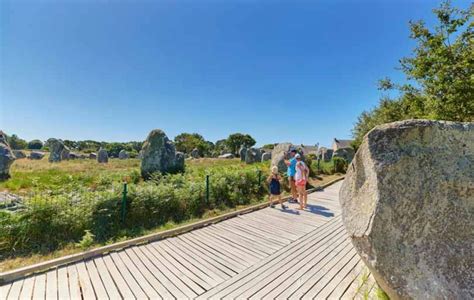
x=237, y=140
x=35, y=145
x=440, y=74
x=16, y=143
x=186, y=142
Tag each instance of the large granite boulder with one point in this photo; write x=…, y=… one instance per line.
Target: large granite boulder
x=19, y=154
x=36, y=155
x=346, y=153
x=92, y=155
x=55, y=148
x=226, y=156
x=279, y=154
x=102, y=156
x=123, y=154
x=6, y=157
x=253, y=155
x=195, y=153
x=408, y=205
x=159, y=155
x=242, y=152
x=266, y=156
x=65, y=154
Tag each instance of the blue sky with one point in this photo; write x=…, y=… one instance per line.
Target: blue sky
x=279, y=70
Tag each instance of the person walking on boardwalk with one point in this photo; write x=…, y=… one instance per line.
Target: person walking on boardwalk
x=274, y=183
x=291, y=163
x=301, y=178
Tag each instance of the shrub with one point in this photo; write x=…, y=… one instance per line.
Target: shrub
x=340, y=164
x=35, y=145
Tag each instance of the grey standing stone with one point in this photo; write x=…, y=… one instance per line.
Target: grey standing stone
x=6, y=157
x=19, y=154
x=279, y=154
x=253, y=155
x=159, y=155
x=408, y=206
x=123, y=154
x=55, y=148
x=35, y=155
x=92, y=155
x=266, y=156
x=226, y=156
x=242, y=153
x=65, y=154
x=73, y=155
x=102, y=156
x=195, y=153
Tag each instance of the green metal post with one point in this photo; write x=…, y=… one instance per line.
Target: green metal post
x=319, y=167
x=207, y=189
x=259, y=178
x=124, y=201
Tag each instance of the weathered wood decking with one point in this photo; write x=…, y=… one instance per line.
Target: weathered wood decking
x=266, y=254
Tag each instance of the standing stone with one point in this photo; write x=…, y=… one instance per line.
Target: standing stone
x=65, y=154
x=253, y=155
x=195, y=153
x=102, y=156
x=6, y=157
x=55, y=148
x=140, y=154
x=123, y=154
x=73, y=155
x=266, y=156
x=279, y=154
x=92, y=155
x=159, y=155
x=36, y=155
x=19, y=154
x=226, y=156
x=242, y=152
x=408, y=206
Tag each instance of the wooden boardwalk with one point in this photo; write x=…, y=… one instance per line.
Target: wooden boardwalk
x=266, y=254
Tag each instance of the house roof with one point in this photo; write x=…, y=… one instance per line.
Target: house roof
x=343, y=143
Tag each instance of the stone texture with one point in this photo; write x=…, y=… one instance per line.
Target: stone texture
x=408, y=205
x=242, y=153
x=159, y=155
x=102, y=156
x=6, y=157
x=36, y=155
x=65, y=154
x=195, y=153
x=55, y=148
x=346, y=153
x=92, y=155
x=226, y=156
x=253, y=155
x=266, y=156
x=279, y=154
x=19, y=154
x=73, y=155
x=123, y=154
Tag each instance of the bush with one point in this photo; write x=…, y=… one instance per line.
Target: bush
x=340, y=165
x=35, y=145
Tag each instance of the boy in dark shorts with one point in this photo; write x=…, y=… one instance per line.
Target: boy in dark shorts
x=275, y=190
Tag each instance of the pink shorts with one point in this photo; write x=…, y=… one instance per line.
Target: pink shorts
x=300, y=182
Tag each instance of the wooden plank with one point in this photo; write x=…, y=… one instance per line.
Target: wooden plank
x=276, y=224
x=258, y=232
x=107, y=280
x=285, y=254
x=15, y=289
x=4, y=289
x=128, y=278
x=51, y=285
x=344, y=285
x=173, y=287
x=219, y=257
x=27, y=289
x=84, y=281
x=179, y=280
x=39, y=291
x=73, y=280
x=179, y=268
x=354, y=287
x=122, y=286
x=152, y=280
x=95, y=280
x=254, y=237
x=204, y=259
x=63, y=284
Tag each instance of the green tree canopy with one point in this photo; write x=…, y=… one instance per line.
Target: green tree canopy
x=186, y=142
x=440, y=74
x=35, y=144
x=237, y=140
x=16, y=143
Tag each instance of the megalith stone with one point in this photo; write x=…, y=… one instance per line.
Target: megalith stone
x=65, y=154
x=159, y=155
x=279, y=154
x=242, y=152
x=102, y=156
x=408, y=206
x=226, y=156
x=19, y=154
x=195, y=153
x=6, y=157
x=253, y=155
x=36, y=155
x=123, y=154
x=266, y=156
x=92, y=155
x=55, y=148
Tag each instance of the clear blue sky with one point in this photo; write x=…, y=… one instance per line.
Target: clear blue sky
x=278, y=70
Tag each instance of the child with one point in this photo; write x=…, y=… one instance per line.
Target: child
x=274, y=182
x=301, y=177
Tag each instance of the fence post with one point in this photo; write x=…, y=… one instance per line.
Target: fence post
x=259, y=178
x=207, y=189
x=319, y=167
x=124, y=202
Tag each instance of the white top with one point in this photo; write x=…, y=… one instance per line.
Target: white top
x=300, y=171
